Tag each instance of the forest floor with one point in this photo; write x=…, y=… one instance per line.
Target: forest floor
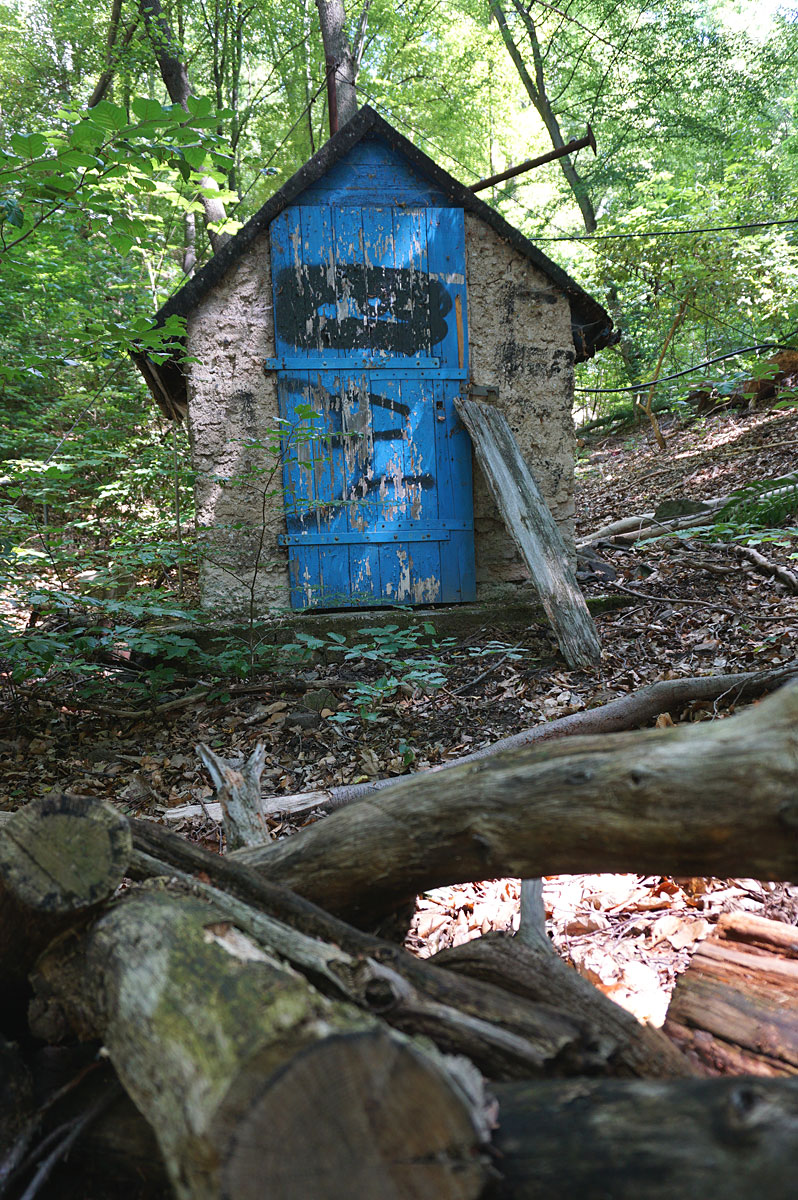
x=697, y=611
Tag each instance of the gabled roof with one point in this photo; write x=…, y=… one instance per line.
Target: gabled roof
x=591, y=324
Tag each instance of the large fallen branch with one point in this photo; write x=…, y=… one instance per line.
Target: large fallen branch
x=713, y=798
x=626, y=712
x=735, y=1138
x=631, y=529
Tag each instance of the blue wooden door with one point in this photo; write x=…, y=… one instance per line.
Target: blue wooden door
x=371, y=340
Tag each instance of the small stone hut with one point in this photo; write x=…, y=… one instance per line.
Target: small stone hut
x=325, y=346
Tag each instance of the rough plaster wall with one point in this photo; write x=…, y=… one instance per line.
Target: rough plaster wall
x=233, y=404
x=520, y=340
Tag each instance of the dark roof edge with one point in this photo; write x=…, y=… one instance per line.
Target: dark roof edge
x=592, y=325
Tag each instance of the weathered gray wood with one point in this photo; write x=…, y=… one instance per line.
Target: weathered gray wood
x=532, y=527
x=505, y=1036
x=712, y=798
x=238, y=793
x=634, y=1140
x=247, y=1074
x=536, y=972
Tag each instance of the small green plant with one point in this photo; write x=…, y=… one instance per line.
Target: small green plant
x=410, y=659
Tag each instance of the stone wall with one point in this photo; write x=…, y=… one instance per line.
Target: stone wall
x=519, y=341
x=232, y=425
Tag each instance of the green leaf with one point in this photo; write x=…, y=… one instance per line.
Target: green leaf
x=195, y=156
x=110, y=116
x=199, y=106
x=86, y=135
x=146, y=110
x=10, y=211
x=31, y=146
x=79, y=159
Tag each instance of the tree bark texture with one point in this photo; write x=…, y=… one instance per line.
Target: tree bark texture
x=536, y=972
x=60, y=858
x=505, y=1035
x=713, y=798
x=340, y=61
x=587, y=1140
x=736, y=1005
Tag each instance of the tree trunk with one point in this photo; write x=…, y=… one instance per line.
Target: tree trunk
x=176, y=81
x=505, y=1035
x=622, y=803
x=233, y=1058
x=340, y=62
x=60, y=858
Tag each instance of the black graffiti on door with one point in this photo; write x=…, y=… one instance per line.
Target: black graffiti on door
x=394, y=310
x=361, y=483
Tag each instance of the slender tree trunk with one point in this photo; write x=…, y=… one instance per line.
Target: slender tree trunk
x=536, y=90
x=176, y=81
x=112, y=52
x=340, y=61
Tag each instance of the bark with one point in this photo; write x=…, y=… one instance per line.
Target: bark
x=536, y=972
x=339, y=60
x=238, y=792
x=233, y=1058
x=623, y=803
x=627, y=712
x=736, y=1006
x=647, y=1140
x=178, y=85
x=113, y=53
x=504, y=1035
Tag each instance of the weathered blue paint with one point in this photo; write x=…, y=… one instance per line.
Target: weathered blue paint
x=373, y=173
x=371, y=340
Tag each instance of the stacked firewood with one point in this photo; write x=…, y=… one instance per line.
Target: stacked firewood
x=270, y=1045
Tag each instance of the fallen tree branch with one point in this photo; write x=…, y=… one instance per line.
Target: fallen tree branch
x=626, y=712
x=735, y=1138
x=631, y=529
x=762, y=565
x=713, y=798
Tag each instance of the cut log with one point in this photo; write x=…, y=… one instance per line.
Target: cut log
x=581, y=1139
x=535, y=971
x=736, y=1005
x=246, y=1073
x=532, y=528
x=712, y=798
x=60, y=857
